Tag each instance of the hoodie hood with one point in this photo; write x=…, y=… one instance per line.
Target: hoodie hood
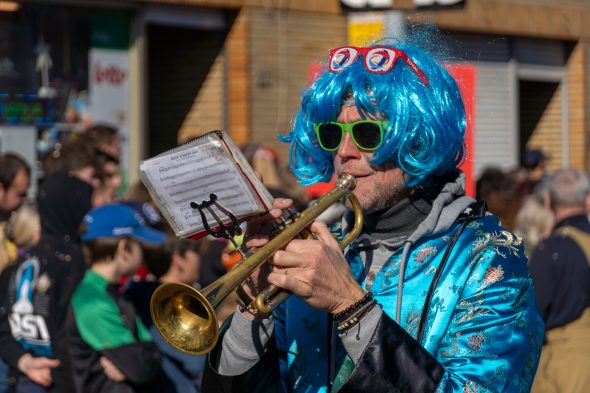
x=446, y=208
x=63, y=200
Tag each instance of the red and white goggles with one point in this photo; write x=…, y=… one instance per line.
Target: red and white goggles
x=376, y=59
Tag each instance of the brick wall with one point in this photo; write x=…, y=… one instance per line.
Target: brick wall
x=284, y=45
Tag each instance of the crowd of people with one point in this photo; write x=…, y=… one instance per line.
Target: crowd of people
x=550, y=211
x=69, y=277
x=434, y=295
x=70, y=271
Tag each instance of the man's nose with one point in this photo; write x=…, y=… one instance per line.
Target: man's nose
x=348, y=148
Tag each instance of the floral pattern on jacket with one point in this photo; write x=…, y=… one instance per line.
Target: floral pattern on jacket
x=482, y=325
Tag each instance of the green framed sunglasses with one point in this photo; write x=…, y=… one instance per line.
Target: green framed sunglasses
x=367, y=135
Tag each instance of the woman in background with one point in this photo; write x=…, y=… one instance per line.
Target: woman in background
x=534, y=219
x=18, y=234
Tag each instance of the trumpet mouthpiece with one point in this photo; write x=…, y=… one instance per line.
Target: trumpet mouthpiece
x=346, y=181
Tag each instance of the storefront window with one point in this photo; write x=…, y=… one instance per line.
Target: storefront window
x=44, y=69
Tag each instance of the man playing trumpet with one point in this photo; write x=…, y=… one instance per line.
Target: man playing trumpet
x=433, y=296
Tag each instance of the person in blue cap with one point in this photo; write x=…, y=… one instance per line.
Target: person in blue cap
x=110, y=348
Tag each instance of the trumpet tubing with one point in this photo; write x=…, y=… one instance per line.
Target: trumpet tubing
x=186, y=317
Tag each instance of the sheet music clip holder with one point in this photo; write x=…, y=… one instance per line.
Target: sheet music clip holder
x=226, y=231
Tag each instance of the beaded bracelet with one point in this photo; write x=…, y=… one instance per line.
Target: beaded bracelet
x=345, y=326
x=348, y=311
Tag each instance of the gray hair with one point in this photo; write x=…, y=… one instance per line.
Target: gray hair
x=569, y=188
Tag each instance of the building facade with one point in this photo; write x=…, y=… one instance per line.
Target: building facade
x=166, y=71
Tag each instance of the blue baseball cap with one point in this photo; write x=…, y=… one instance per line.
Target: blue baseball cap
x=119, y=220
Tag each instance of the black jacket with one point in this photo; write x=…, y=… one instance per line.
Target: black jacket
x=410, y=368
x=101, y=322
x=561, y=274
x=36, y=291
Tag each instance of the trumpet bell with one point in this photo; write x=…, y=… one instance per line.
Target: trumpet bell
x=185, y=318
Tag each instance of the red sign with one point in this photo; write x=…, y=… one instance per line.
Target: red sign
x=465, y=76
x=110, y=74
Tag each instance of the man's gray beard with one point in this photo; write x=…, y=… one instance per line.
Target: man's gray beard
x=386, y=198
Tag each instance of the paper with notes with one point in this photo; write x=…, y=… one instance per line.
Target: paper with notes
x=210, y=164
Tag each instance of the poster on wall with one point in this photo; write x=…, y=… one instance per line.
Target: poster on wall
x=109, y=87
x=108, y=76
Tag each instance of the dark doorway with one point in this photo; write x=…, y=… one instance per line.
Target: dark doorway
x=179, y=62
x=535, y=97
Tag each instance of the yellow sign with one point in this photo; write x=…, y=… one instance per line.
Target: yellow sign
x=365, y=28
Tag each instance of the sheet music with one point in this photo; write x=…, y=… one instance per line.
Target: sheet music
x=191, y=175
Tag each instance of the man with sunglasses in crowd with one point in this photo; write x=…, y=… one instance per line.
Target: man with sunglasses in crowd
x=433, y=296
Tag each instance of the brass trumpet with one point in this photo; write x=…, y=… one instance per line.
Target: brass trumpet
x=186, y=318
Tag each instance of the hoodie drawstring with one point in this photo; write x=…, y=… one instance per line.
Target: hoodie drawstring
x=400, y=280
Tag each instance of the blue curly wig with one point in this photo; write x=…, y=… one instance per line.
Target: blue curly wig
x=425, y=129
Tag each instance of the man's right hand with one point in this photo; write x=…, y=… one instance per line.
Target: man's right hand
x=37, y=369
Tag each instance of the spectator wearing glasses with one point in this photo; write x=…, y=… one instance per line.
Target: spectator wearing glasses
x=433, y=296
x=103, y=138
x=105, y=142
x=109, y=180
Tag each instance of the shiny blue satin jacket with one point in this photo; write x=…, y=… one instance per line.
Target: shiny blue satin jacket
x=482, y=330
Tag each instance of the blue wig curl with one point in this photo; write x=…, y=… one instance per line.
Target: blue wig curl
x=425, y=128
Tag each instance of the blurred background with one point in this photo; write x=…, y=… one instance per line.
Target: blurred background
x=165, y=71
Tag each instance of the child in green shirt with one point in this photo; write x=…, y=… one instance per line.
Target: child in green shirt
x=110, y=348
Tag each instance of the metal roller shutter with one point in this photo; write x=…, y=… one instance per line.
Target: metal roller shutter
x=496, y=143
